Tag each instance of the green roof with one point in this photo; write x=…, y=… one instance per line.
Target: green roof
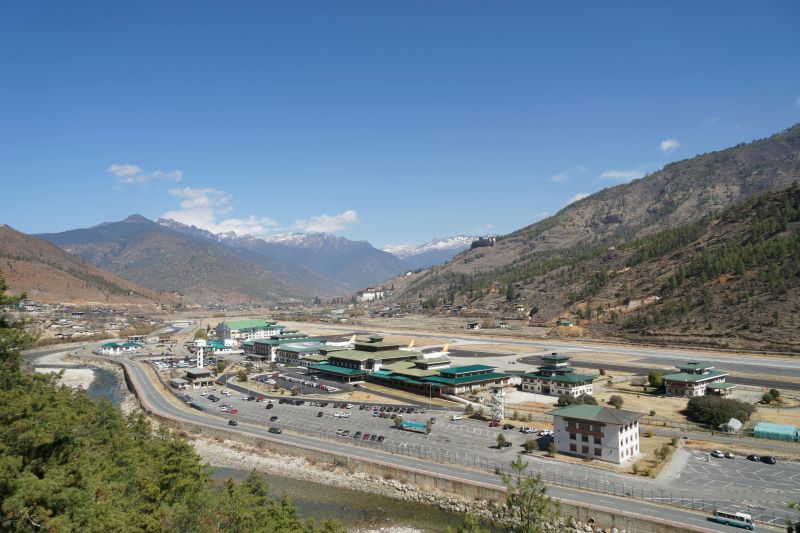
x=693, y=378
x=465, y=369
x=331, y=369
x=564, y=378
x=382, y=373
x=360, y=355
x=111, y=345
x=465, y=379
x=247, y=324
x=597, y=413
x=694, y=365
x=302, y=348
x=555, y=357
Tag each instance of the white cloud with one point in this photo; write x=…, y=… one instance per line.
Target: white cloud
x=206, y=207
x=622, y=175
x=128, y=174
x=562, y=177
x=327, y=223
x=579, y=196
x=669, y=145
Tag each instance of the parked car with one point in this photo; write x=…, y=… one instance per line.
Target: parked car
x=753, y=457
x=375, y=413
x=506, y=444
x=380, y=438
x=319, y=414
x=717, y=453
x=456, y=417
x=769, y=460
x=275, y=430
x=494, y=424
x=527, y=430
x=365, y=437
x=545, y=433
x=233, y=411
x=346, y=433
x=270, y=406
x=273, y=419
x=729, y=455
x=357, y=435
x=373, y=437
x=509, y=426
x=339, y=431
x=233, y=423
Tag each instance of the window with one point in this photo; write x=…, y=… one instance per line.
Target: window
x=573, y=447
x=572, y=436
x=597, y=452
x=585, y=450
x=597, y=440
x=585, y=438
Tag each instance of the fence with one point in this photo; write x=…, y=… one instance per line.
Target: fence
x=552, y=476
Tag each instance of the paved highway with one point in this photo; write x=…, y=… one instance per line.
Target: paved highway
x=158, y=404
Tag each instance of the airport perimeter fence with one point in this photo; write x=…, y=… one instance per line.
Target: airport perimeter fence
x=560, y=478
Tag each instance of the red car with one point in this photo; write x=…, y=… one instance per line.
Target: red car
x=233, y=411
x=494, y=424
x=365, y=437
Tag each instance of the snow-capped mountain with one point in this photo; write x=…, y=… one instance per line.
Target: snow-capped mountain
x=355, y=263
x=430, y=253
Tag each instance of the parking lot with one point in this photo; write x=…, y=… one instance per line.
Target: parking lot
x=740, y=477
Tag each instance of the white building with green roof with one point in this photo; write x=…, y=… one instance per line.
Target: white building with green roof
x=555, y=377
x=596, y=432
x=247, y=329
x=697, y=378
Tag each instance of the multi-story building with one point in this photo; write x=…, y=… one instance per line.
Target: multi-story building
x=247, y=329
x=696, y=378
x=555, y=377
x=595, y=432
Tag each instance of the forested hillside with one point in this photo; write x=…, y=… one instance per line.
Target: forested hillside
x=682, y=192
x=729, y=279
x=68, y=464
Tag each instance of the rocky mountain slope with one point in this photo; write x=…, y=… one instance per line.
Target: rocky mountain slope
x=356, y=264
x=430, y=253
x=681, y=192
x=156, y=257
x=48, y=274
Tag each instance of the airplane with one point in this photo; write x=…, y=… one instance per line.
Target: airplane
x=351, y=342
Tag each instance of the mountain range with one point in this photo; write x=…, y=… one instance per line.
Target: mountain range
x=430, y=253
x=48, y=274
x=351, y=264
x=575, y=258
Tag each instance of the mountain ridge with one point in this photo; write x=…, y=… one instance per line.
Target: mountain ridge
x=49, y=274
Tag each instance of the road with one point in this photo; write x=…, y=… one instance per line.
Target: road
x=160, y=405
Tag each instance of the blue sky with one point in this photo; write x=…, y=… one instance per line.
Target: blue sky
x=390, y=122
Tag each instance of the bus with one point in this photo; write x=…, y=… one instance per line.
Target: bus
x=734, y=518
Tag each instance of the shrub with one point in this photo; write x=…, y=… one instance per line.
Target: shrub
x=551, y=449
x=714, y=410
x=530, y=445
x=674, y=441
x=616, y=400
x=652, y=412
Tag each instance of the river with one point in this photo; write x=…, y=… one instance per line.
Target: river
x=355, y=509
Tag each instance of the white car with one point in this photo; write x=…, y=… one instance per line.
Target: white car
x=456, y=417
x=342, y=415
x=349, y=406
x=545, y=433
x=527, y=431
x=717, y=453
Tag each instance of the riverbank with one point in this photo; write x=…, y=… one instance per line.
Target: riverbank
x=234, y=455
